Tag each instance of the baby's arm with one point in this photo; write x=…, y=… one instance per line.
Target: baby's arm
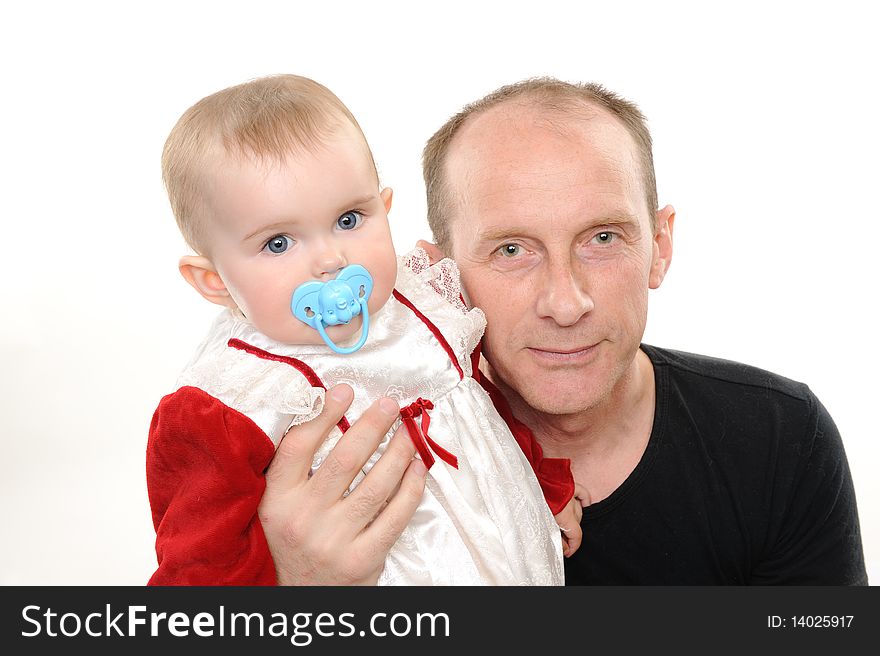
x=205, y=465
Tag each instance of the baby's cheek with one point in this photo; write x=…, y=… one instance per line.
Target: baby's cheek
x=268, y=308
x=383, y=284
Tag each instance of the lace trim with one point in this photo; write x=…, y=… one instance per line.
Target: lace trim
x=308, y=373
x=443, y=277
x=248, y=383
x=434, y=289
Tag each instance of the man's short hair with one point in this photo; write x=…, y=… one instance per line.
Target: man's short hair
x=547, y=93
x=267, y=118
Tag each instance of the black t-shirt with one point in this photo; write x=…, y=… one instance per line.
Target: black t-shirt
x=744, y=481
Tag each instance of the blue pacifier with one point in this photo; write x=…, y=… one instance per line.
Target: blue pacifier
x=335, y=302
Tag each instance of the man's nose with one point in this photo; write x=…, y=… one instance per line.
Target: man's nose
x=563, y=298
x=329, y=259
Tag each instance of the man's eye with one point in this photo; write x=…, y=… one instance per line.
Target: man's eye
x=604, y=237
x=349, y=220
x=510, y=250
x=278, y=244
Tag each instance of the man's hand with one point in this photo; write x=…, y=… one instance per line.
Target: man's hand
x=316, y=536
x=569, y=520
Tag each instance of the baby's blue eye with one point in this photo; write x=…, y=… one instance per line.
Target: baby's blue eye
x=509, y=250
x=349, y=220
x=278, y=244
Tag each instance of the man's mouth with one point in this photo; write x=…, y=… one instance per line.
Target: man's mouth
x=563, y=354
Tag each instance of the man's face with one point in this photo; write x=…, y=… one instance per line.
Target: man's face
x=551, y=232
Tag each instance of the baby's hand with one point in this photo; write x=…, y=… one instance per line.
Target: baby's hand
x=569, y=521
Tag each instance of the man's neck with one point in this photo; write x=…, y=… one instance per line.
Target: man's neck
x=604, y=442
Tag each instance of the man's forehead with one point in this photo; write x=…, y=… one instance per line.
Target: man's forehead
x=523, y=166
x=509, y=136
x=531, y=148
x=524, y=118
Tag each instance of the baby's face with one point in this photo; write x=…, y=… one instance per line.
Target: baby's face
x=275, y=225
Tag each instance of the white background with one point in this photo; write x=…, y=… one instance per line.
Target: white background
x=764, y=117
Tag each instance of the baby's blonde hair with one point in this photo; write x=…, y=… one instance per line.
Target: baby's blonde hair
x=270, y=117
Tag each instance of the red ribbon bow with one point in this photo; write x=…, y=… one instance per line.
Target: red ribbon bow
x=420, y=437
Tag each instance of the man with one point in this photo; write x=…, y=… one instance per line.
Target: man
x=696, y=470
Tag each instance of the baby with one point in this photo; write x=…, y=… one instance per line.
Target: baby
x=273, y=184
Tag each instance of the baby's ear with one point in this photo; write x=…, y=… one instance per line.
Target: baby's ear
x=433, y=251
x=386, y=195
x=199, y=272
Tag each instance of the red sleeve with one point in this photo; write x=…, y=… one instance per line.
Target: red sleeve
x=554, y=474
x=205, y=478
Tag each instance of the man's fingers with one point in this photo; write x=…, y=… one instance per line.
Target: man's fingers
x=353, y=450
x=390, y=522
x=294, y=456
x=571, y=542
x=582, y=495
x=382, y=481
x=575, y=539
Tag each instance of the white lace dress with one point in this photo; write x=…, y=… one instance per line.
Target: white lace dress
x=484, y=523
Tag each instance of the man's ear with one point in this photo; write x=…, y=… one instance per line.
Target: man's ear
x=433, y=251
x=199, y=272
x=662, y=247
x=386, y=195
